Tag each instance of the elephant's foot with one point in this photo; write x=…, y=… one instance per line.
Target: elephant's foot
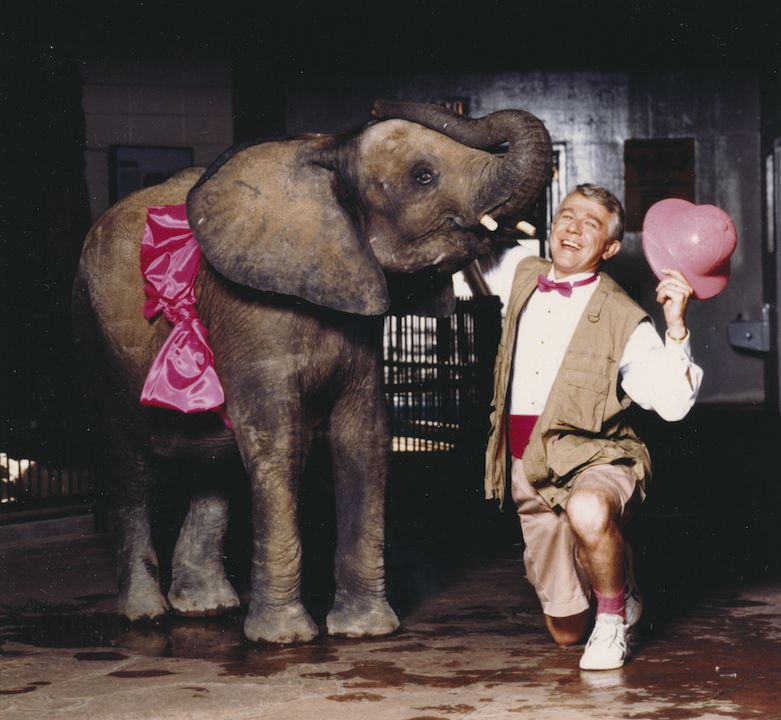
x=362, y=617
x=139, y=595
x=287, y=624
x=141, y=599
x=200, y=591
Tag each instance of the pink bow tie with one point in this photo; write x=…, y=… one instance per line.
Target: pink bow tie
x=564, y=287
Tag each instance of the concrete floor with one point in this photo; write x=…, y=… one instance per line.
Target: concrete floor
x=472, y=645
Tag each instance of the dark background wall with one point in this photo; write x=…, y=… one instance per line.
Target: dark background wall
x=592, y=113
x=597, y=73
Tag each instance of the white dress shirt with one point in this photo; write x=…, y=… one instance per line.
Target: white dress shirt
x=658, y=376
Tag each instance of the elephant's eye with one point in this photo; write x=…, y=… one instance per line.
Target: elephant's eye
x=424, y=176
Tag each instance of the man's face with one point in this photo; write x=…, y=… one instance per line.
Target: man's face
x=579, y=240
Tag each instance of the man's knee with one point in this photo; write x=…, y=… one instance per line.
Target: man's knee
x=568, y=630
x=591, y=511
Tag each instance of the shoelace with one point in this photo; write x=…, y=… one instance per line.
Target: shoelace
x=606, y=631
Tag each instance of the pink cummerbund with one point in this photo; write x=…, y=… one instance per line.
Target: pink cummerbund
x=519, y=431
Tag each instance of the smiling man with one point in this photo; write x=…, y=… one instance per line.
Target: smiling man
x=575, y=352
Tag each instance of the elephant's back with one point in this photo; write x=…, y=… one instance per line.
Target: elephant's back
x=110, y=273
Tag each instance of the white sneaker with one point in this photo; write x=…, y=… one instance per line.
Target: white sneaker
x=633, y=605
x=633, y=600
x=606, y=649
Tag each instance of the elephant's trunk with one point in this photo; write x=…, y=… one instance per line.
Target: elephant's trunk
x=515, y=179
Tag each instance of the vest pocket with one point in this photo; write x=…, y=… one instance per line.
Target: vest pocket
x=584, y=380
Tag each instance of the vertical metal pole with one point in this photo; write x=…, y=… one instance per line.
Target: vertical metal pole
x=774, y=237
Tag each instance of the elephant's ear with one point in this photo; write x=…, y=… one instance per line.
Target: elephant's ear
x=268, y=217
x=429, y=294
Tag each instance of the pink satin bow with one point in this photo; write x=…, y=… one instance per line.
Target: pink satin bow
x=182, y=376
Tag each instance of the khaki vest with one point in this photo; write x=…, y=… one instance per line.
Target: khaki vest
x=583, y=421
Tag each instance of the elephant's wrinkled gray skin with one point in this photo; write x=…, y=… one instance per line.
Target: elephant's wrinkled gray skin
x=297, y=237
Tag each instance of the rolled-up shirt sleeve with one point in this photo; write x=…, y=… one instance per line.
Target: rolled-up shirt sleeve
x=660, y=376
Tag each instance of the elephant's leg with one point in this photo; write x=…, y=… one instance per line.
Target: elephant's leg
x=360, y=445
x=274, y=460
x=199, y=585
x=139, y=578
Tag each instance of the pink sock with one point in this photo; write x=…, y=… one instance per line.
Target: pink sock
x=613, y=605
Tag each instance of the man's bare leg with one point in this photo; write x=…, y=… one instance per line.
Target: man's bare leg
x=594, y=515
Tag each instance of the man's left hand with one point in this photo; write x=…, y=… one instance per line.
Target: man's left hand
x=673, y=294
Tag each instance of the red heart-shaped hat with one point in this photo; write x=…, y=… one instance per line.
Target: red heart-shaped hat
x=698, y=240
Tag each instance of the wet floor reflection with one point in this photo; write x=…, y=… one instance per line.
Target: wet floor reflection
x=471, y=631
x=727, y=651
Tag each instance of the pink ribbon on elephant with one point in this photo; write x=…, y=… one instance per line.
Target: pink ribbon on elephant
x=182, y=376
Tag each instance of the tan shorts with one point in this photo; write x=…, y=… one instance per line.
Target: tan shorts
x=550, y=559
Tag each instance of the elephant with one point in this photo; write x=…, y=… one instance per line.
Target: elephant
x=306, y=242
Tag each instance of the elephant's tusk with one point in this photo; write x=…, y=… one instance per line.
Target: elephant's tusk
x=526, y=227
x=488, y=222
